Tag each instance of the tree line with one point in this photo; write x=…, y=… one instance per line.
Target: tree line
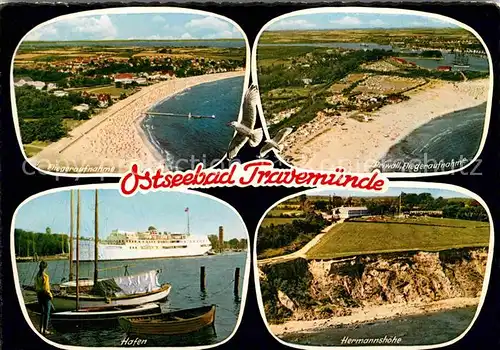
x=278, y=236
x=452, y=208
x=41, y=114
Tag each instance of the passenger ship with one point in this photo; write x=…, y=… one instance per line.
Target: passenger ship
x=123, y=245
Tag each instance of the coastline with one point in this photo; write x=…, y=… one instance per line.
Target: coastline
x=328, y=142
x=370, y=314
x=115, y=138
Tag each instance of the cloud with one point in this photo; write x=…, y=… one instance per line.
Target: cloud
x=158, y=19
x=417, y=24
x=166, y=26
x=186, y=36
x=227, y=34
x=154, y=37
x=377, y=22
x=293, y=24
x=208, y=23
x=45, y=32
x=347, y=21
x=96, y=27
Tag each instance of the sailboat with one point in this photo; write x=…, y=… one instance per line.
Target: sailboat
x=461, y=60
x=126, y=291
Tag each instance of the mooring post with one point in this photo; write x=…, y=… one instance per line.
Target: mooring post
x=202, y=278
x=237, y=282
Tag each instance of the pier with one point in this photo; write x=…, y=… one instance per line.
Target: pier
x=189, y=115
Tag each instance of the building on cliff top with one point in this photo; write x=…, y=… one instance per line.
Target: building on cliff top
x=350, y=212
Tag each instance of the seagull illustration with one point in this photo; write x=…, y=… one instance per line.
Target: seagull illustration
x=245, y=125
x=275, y=142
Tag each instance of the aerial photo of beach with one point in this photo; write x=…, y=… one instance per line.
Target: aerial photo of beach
x=159, y=268
x=406, y=267
x=96, y=92
x=397, y=91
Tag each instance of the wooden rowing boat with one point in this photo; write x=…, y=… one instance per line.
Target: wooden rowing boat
x=94, y=317
x=170, y=323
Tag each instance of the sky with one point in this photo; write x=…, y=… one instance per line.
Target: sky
x=163, y=210
x=394, y=191
x=152, y=26
x=355, y=20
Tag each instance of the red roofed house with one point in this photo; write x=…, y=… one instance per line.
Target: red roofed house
x=400, y=60
x=103, y=100
x=124, y=78
x=444, y=68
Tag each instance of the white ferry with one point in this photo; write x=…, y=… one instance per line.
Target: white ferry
x=123, y=245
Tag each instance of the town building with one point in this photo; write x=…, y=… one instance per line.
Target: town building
x=82, y=108
x=444, y=68
x=22, y=81
x=51, y=86
x=350, y=212
x=103, y=100
x=39, y=85
x=60, y=93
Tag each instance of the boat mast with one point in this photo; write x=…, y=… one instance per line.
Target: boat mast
x=187, y=212
x=77, y=249
x=96, y=238
x=71, y=237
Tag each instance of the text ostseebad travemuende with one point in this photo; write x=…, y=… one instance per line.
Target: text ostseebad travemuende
x=254, y=173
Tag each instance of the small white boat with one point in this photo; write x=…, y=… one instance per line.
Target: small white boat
x=131, y=290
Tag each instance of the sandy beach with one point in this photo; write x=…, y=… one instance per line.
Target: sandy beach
x=327, y=142
x=113, y=139
x=372, y=313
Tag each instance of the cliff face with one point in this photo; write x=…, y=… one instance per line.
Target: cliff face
x=303, y=290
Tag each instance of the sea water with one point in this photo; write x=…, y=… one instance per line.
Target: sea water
x=183, y=141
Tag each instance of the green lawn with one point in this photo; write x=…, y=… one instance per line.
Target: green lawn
x=109, y=89
x=353, y=238
x=275, y=212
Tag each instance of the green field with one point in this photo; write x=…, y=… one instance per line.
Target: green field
x=379, y=36
x=277, y=212
x=354, y=238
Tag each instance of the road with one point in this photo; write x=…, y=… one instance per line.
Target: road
x=299, y=253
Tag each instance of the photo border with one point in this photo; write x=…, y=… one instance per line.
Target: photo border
x=115, y=186
x=112, y=11
x=382, y=10
x=396, y=184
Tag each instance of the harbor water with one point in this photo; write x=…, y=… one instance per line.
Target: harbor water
x=184, y=276
x=450, y=138
x=475, y=62
x=185, y=142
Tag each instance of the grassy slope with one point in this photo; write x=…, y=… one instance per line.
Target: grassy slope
x=353, y=238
